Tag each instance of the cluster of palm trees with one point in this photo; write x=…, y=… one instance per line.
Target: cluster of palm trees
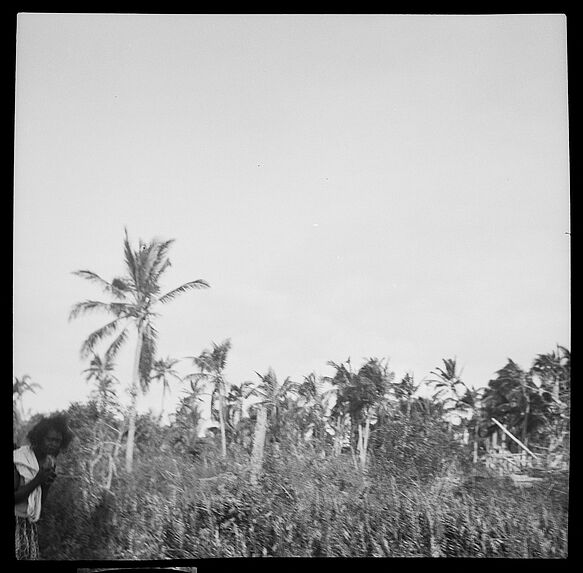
x=533, y=404
x=344, y=406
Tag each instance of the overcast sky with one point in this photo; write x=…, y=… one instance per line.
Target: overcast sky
x=349, y=185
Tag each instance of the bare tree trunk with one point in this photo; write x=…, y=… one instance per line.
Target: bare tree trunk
x=258, y=444
x=162, y=403
x=222, y=420
x=339, y=435
x=363, y=435
x=132, y=410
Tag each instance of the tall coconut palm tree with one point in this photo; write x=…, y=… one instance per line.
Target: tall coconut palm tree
x=211, y=364
x=135, y=296
x=163, y=371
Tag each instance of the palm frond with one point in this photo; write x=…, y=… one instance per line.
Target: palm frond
x=130, y=259
x=160, y=260
x=145, y=259
x=122, y=284
x=198, y=284
x=97, y=336
x=152, y=261
x=115, y=346
x=259, y=392
x=196, y=378
x=22, y=385
x=289, y=386
x=437, y=395
x=219, y=354
x=116, y=308
x=246, y=389
x=203, y=361
x=162, y=370
x=112, y=288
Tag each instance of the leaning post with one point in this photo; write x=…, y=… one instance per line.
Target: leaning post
x=508, y=433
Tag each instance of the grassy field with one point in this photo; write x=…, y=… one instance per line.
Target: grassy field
x=305, y=505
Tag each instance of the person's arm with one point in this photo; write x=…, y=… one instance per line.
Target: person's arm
x=43, y=477
x=45, y=490
x=47, y=484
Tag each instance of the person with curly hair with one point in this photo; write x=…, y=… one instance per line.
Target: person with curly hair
x=34, y=471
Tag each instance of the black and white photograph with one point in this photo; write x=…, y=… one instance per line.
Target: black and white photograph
x=290, y=286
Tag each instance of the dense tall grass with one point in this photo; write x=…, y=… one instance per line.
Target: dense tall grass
x=305, y=505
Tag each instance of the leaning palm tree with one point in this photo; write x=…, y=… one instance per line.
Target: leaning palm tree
x=135, y=295
x=211, y=365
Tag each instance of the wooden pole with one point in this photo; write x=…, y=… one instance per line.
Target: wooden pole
x=508, y=433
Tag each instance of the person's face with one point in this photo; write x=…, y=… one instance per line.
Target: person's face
x=51, y=443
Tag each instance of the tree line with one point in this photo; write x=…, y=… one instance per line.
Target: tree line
x=533, y=403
